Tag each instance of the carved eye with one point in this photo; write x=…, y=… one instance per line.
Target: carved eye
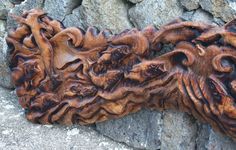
x=29, y=71
x=116, y=55
x=40, y=19
x=154, y=69
x=42, y=107
x=48, y=104
x=119, y=53
x=226, y=63
x=215, y=94
x=74, y=89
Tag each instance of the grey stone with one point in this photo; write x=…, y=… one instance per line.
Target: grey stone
x=5, y=6
x=199, y=16
x=188, y=15
x=157, y=12
x=219, y=21
x=2, y=28
x=135, y=1
x=73, y=20
x=17, y=133
x=5, y=78
x=3, y=13
x=104, y=14
x=19, y=9
x=190, y=4
x=202, y=136
x=58, y=9
x=141, y=130
x=179, y=131
x=224, y=9
x=207, y=139
x=202, y=16
x=218, y=141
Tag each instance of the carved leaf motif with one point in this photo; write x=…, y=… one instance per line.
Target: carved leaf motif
x=71, y=76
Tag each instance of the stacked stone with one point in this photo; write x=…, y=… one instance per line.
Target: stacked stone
x=146, y=129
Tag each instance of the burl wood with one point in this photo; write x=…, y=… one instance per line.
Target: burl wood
x=68, y=76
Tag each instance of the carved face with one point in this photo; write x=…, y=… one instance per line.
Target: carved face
x=71, y=76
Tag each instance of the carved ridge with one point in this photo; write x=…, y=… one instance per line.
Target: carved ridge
x=68, y=76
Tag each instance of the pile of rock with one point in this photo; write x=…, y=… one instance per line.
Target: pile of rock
x=146, y=129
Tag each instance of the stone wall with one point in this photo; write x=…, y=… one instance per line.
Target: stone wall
x=145, y=129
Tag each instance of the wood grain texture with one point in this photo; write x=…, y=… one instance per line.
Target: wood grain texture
x=69, y=76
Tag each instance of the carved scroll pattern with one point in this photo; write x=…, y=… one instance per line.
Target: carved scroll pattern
x=68, y=76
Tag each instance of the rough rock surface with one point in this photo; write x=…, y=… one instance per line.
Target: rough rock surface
x=179, y=131
x=145, y=129
x=73, y=19
x=5, y=79
x=156, y=12
x=225, y=9
x=4, y=8
x=140, y=130
x=58, y=9
x=217, y=141
x=104, y=14
x=190, y=4
x=198, y=15
x=202, y=136
x=17, y=133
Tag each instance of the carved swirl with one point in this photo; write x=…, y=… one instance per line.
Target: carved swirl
x=71, y=76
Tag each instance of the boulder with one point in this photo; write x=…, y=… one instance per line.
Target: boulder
x=140, y=130
x=58, y=9
x=154, y=12
x=105, y=14
x=224, y=9
x=190, y=4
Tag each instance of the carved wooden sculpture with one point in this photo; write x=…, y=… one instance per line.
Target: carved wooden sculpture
x=66, y=75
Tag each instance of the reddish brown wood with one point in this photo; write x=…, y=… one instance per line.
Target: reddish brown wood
x=66, y=75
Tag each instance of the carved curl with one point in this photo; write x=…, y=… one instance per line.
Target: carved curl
x=70, y=76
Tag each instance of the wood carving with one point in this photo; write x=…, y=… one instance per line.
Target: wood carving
x=68, y=76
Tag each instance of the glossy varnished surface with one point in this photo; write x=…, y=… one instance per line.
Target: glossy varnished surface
x=67, y=75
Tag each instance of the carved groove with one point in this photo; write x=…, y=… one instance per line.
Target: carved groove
x=65, y=75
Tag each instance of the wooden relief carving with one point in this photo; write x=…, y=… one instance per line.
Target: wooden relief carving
x=68, y=76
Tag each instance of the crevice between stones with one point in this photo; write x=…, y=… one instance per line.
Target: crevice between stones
x=130, y=5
